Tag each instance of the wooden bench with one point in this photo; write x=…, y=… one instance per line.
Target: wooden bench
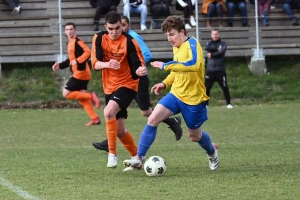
x=33, y=36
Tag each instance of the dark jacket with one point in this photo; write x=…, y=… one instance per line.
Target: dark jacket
x=104, y=3
x=235, y=1
x=217, y=49
x=293, y=3
x=253, y=1
x=155, y=3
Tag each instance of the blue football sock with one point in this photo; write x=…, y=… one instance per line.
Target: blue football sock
x=147, y=138
x=205, y=143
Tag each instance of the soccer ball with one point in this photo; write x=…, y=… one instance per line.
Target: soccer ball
x=155, y=166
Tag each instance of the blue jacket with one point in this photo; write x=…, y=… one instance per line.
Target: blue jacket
x=145, y=50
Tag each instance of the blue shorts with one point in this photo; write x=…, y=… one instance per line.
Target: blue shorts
x=193, y=115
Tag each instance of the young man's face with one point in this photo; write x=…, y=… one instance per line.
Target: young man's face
x=70, y=31
x=125, y=26
x=215, y=35
x=175, y=37
x=114, y=30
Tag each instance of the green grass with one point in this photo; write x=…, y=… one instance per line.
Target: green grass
x=48, y=154
x=40, y=84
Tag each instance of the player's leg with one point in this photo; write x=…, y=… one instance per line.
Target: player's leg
x=72, y=91
x=222, y=81
x=194, y=117
x=110, y=112
x=127, y=95
x=115, y=112
x=76, y=89
x=166, y=107
x=89, y=109
x=209, y=81
x=143, y=100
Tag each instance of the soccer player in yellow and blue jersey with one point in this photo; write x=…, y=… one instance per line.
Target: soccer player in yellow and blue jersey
x=187, y=94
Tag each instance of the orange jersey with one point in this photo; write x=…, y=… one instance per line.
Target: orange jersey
x=126, y=51
x=79, y=51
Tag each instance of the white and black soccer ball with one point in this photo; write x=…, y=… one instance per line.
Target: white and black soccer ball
x=155, y=166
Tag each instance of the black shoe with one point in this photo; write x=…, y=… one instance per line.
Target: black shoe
x=246, y=25
x=176, y=128
x=230, y=24
x=101, y=145
x=295, y=22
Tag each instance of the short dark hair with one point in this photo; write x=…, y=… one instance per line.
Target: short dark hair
x=173, y=22
x=215, y=29
x=69, y=24
x=112, y=17
x=126, y=19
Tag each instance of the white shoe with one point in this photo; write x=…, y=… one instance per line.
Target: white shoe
x=15, y=11
x=19, y=9
x=213, y=158
x=193, y=21
x=187, y=26
x=182, y=3
x=112, y=161
x=131, y=168
x=229, y=106
x=135, y=162
x=143, y=27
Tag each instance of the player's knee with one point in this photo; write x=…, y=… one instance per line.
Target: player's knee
x=194, y=137
x=108, y=114
x=152, y=121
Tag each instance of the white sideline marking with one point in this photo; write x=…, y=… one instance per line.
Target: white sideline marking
x=16, y=189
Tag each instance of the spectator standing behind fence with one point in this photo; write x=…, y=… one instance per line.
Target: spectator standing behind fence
x=210, y=7
x=215, y=65
x=187, y=6
x=103, y=7
x=241, y=6
x=14, y=5
x=137, y=7
x=263, y=7
x=287, y=6
x=159, y=8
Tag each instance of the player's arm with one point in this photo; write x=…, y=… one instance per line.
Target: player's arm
x=64, y=64
x=83, y=58
x=193, y=62
x=135, y=59
x=86, y=52
x=97, y=53
x=164, y=84
x=144, y=48
x=221, y=50
x=210, y=48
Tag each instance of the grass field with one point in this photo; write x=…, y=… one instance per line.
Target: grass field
x=47, y=155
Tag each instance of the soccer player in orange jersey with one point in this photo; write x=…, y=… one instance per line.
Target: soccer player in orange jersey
x=76, y=87
x=119, y=57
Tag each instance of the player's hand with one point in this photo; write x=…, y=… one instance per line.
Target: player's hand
x=113, y=64
x=209, y=55
x=55, y=66
x=73, y=62
x=141, y=71
x=157, y=64
x=157, y=87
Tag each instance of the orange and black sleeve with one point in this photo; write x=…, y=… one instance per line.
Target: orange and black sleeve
x=97, y=54
x=82, y=54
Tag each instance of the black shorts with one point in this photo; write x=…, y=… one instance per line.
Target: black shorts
x=123, y=97
x=74, y=84
x=142, y=96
